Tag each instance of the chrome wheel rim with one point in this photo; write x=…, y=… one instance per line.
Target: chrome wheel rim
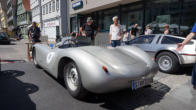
x=165, y=63
x=72, y=78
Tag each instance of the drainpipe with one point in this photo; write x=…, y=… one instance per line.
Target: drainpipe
x=64, y=12
x=41, y=21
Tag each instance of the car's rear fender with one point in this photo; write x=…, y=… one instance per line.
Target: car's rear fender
x=170, y=50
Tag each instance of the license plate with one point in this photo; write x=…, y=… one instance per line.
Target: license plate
x=140, y=83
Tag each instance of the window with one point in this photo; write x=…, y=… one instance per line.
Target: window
x=143, y=40
x=131, y=15
x=188, y=17
x=172, y=40
x=50, y=7
x=161, y=12
x=53, y=5
x=57, y=5
x=43, y=9
x=46, y=8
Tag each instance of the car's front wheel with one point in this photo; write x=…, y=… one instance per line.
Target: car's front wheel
x=167, y=62
x=73, y=82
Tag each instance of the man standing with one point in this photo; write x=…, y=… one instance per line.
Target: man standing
x=88, y=30
x=34, y=33
x=115, y=33
x=134, y=31
x=181, y=46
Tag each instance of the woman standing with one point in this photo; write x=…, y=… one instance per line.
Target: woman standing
x=148, y=31
x=125, y=37
x=115, y=34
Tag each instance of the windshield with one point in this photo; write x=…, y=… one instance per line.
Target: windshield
x=67, y=42
x=2, y=34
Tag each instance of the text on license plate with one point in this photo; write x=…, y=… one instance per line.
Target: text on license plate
x=140, y=83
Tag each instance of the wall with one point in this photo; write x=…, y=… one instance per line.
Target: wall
x=94, y=5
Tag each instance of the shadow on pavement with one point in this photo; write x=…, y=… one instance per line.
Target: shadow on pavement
x=14, y=94
x=184, y=71
x=8, y=44
x=129, y=100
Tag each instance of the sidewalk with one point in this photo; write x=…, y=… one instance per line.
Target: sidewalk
x=17, y=50
x=182, y=98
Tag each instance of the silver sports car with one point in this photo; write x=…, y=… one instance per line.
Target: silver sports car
x=163, y=49
x=96, y=69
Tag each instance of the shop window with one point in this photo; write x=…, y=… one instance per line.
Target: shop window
x=162, y=12
x=74, y=24
x=188, y=17
x=107, y=18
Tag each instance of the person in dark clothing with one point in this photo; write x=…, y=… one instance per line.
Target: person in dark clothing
x=34, y=33
x=89, y=30
x=134, y=31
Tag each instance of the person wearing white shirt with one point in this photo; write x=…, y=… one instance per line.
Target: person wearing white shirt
x=115, y=33
x=148, y=31
x=125, y=37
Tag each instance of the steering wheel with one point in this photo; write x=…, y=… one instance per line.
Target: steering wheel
x=68, y=43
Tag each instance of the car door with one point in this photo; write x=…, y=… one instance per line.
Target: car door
x=144, y=42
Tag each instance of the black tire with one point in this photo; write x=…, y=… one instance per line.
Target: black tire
x=167, y=57
x=80, y=92
x=34, y=59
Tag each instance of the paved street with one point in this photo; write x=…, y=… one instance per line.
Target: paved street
x=24, y=87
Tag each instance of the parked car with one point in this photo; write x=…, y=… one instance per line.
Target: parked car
x=4, y=38
x=95, y=69
x=162, y=48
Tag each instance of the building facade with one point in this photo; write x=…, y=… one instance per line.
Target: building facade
x=179, y=14
x=11, y=14
x=24, y=18
x=3, y=15
x=54, y=18
x=35, y=6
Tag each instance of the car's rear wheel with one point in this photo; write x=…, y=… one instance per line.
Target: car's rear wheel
x=167, y=62
x=73, y=82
